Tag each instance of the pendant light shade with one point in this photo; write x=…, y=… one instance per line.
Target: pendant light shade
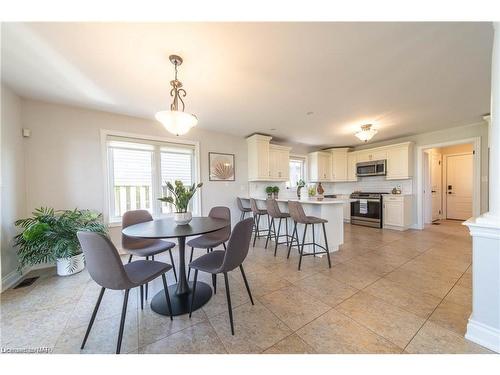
x=175, y=120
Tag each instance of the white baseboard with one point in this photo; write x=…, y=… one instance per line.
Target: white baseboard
x=14, y=277
x=484, y=335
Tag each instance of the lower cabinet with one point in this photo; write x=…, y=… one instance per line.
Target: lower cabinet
x=397, y=213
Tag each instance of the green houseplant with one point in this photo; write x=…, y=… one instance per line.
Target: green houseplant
x=276, y=190
x=50, y=235
x=269, y=191
x=300, y=184
x=180, y=196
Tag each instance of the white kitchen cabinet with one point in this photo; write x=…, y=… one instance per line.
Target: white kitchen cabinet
x=339, y=164
x=351, y=166
x=400, y=161
x=279, y=162
x=320, y=166
x=397, y=211
x=258, y=158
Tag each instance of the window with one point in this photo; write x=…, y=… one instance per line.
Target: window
x=138, y=171
x=296, y=165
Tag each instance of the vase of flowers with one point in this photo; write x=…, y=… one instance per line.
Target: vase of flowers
x=180, y=196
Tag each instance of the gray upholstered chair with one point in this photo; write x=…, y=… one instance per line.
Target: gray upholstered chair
x=224, y=261
x=274, y=212
x=211, y=240
x=242, y=208
x=299, y=217
x=145, y=248
x=106, y=269
x=257, y=213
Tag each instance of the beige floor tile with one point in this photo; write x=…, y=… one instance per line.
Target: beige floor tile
x=412, y=300
x=433, y=339
x=293, y=306
x=292, y=344
x=289, y=270
x=261, y=282
x=461, y=295
x=327, y=289
x=334, y=333
x=256, y=329
x=198, y=339
x=452, y=316
x=356, y=275
x=218, y=303
x=395, y=324
x=430, y=283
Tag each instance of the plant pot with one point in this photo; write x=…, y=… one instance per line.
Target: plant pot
x=269, y=195
x=275, y=195
x=182, y=218
x=71, y=265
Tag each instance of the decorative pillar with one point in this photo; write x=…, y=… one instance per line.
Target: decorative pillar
x=483, y=327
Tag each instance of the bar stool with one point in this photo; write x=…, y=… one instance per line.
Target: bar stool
x=274, y=212
x=257, y=213
x=299, y=217
x=242, y=208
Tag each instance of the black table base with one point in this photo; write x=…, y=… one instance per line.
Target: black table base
x=181, y=303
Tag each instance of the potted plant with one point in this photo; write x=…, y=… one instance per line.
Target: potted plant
x=311, y=191
x=269, y=191
x=300, y=184
x=180, y=197
x=50, y=235
x=276, y=190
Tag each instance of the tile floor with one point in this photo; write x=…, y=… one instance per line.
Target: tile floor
x=387, y=292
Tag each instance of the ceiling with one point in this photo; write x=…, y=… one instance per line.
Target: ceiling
x=241, y=78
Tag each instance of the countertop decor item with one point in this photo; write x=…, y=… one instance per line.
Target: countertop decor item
x=276, y=191
x=300, y=184
x=320, y=189
x=269, y=191
x=175, y=120
x=50, y=235
x=179, y=197
x=311, y=191
x=221, y=166
x=366, y=133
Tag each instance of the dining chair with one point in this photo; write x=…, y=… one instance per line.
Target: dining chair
x=257, y=213
x=299, y=217
x=224, y=261
x=210, y=241
x=274, y=212
x=106, y=269
x=145, y=248
x=242, y=208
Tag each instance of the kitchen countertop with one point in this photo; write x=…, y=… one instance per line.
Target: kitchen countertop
x=305, y=201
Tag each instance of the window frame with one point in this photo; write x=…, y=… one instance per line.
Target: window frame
x=156, y=173
x=303, y=159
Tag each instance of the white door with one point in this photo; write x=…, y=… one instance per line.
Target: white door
x=436, y=181
x=459, y=186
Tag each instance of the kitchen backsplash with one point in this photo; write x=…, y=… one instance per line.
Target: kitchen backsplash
x=369, y=184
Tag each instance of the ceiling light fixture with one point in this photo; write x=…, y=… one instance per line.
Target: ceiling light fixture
x=175, y=120
x=366, y=133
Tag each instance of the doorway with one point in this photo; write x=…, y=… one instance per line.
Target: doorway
x=458, y=183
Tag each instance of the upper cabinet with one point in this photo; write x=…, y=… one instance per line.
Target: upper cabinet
x=351, y=166
x=267, y=162
x=400, y=161
x=320, y=166
x=339, y=164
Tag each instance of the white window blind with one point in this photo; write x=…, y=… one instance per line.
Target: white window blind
x=138, y=171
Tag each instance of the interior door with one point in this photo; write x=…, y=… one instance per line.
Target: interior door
x=436, y=182
x=459, y=186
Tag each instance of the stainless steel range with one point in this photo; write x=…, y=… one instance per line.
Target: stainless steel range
x=366, y=209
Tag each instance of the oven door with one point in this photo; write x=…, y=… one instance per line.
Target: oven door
x=373, y=214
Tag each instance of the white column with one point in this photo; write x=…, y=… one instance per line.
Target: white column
x=484, y=323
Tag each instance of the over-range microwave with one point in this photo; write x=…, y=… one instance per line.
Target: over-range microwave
x=371, y=168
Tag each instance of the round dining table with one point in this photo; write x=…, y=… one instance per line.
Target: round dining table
x=180, y=293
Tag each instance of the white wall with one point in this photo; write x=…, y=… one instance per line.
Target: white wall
x=64, y=161
x=12, y=183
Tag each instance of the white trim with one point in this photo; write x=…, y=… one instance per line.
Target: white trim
x=10, y=280
x=476, y=179
x=104, y=133
x=484, y=335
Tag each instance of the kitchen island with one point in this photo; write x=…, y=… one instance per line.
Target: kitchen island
x=331, y=209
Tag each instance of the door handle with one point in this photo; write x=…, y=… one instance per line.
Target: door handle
x=433, y=191
x=450, y=192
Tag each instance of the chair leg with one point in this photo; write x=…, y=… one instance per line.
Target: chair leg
x=291, y=242
x=268, y=232
x=190, y=260
x=228, y=296
x=224, y=244
x=173, y=264
x=277, y=236
x=214, y=282
x=286, y=230
x=242, y=216
x=314, y=241
x=147, y=258
x=130, y=258
x=256, y=229
x=99, y=299
x=303, y=242
x=326, y=245
x=167, y=296
x=122, y=322
x=142, y=296
x=246, y=283
x=194, y=291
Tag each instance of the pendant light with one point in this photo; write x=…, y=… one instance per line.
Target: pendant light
x=366, y=133
x=175, y=120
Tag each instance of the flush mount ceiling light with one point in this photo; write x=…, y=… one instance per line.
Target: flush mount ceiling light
x=175, y=120
x=366, y=133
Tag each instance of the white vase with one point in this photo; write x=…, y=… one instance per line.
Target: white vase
x=182, y=218
x=71, y=265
